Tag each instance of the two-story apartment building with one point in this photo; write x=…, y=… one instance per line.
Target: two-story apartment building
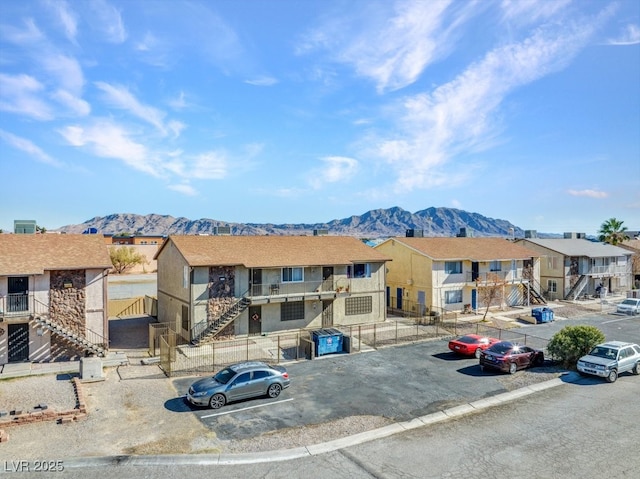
x=574, y=266
x=53, y=296
x=249, y=285
x=446, y=274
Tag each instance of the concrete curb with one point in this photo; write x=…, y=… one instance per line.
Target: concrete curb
x=322, y=448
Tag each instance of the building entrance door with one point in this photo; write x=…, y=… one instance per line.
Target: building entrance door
x=255, y=320
x=18, y=342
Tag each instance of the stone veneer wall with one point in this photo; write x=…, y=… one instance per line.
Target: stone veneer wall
x=221, y=290
x=67, y=305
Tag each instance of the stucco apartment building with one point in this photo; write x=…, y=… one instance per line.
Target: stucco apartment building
x=249, y=285
x=574, y=266
x=53, y=296
x=445, y=274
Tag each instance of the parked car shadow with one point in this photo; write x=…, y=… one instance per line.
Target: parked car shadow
x=451, y=356
x=179, y=404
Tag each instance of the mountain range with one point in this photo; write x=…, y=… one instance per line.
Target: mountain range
x=378, y=223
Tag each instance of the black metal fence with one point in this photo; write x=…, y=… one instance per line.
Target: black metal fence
x=179, y=357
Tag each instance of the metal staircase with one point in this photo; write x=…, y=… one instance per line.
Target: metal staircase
x=534, y=293
x=206, y=331
x=97, y=344
x=577, y=288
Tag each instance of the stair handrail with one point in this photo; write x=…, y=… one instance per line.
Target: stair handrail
x=198, y=329
x=93, y=337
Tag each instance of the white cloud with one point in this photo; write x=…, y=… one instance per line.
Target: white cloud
x=394, y=44
x=184, y=188
x=28, y=147
x=67, y=17
x=109, y=140
x=65, y=70
x=530, y=11
x=73, y=103
x=20, y=94
x=262, y=81
x=334, y=169
x=589, y=193
x=456, y=204
x=630, y=36
x=463, y=115
x=121, y=97
x=109, y=21
x=30, y=35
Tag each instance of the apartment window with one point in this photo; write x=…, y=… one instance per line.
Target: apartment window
x=358, y=305
x=452, y=297
x=359, y=270
x=495, y=266
x=292, y=311
x=552, y=286
x=292, y=275
x=185, y=277
x=552, y=262
x=453, y=267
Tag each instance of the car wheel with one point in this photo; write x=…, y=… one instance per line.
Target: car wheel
x=513, y=368
x=217, y=401
x=539, y=360
x=478, y=351
x=636, y=369
x=613, y=375
x=274, y=390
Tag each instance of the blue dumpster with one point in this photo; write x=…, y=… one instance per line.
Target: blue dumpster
x=327, y=341
x=542, y=315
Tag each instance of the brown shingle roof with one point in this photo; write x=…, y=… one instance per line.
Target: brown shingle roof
x=272, y=251
x=23, y=254
x=473, y=249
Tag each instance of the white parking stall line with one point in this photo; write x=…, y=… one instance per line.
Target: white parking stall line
x=245, y=408
x=615, y=320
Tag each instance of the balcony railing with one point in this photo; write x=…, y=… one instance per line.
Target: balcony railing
x=609, y=270
x=301, y=288
x=21, y=304
x=493, y=276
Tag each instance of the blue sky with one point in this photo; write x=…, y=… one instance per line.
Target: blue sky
x=287, y=111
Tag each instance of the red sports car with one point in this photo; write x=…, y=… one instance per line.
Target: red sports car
x=471, y=344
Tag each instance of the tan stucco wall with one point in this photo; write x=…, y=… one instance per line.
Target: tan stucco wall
x=171, y=293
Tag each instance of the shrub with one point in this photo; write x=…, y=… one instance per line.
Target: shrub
x=572, y=342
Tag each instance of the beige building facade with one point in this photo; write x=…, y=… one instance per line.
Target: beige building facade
x=53, y=295
x=254, y=285
x=446, y=274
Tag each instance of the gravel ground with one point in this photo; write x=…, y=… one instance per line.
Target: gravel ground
x=123, y=414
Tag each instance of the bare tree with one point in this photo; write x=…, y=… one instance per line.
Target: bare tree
x=490, y=291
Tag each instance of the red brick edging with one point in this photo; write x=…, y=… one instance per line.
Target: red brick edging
x=64, y=417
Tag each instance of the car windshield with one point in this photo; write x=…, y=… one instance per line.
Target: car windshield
x=224, y=376
x=602, y=352
x=630, y=302
x=467, y=340
x=501, y=348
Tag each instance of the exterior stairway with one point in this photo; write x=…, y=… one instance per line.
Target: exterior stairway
x=74, y=337
x=577, y=288
x=206, y=331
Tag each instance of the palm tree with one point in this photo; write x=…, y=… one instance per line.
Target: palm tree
x=612, y=231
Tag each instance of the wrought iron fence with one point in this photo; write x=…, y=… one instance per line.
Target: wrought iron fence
x=179, y=357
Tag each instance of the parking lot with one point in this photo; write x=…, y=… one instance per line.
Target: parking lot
x=397, y=383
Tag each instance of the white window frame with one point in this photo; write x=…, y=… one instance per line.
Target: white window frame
x=495, y=265
x=295, y=275
x=552, y=286
x=351, y=270
x=456, y=270
x=453, y=294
